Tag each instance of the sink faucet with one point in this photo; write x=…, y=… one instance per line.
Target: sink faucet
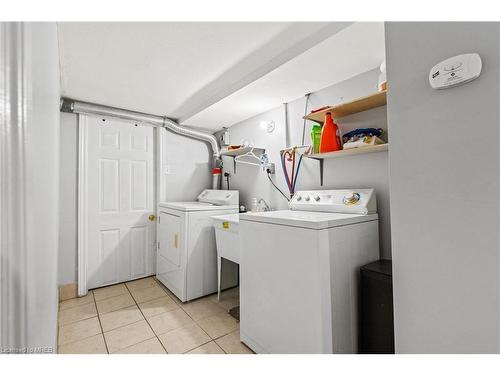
x=266, y=206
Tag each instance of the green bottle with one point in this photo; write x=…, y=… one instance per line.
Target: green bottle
x=316, y=137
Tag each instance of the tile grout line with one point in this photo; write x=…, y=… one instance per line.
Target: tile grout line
x=152, y=330
x=200, y=327
x=216, y=343
x=74, y=307
x=116, y=295
x=199, y=299
x=76, y=321
x=98, y=315
x=126, y=325
x=211, y=339
x=136, y=304
x=208, y=342
x=180, y=305
x=194, y=321
x=100, y=324
x=166, y=290
x=79, y=340
x=124, y=283
x=79, y=321
x=227, y=334
x=122, y=294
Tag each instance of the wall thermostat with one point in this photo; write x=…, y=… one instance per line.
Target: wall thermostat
x=455, y=71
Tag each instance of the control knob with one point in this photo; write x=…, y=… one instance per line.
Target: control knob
x=351, y=198
x=317, y=198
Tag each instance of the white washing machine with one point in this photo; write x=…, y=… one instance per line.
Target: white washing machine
x=300, y=269
x=187, y=253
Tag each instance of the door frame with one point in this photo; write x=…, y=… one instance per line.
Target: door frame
x=82, y=231
x=82, y=209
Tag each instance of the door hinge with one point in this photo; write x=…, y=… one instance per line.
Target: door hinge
x=158, y=245
x=159, y=218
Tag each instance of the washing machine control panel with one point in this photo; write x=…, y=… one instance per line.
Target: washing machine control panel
x=356, y=201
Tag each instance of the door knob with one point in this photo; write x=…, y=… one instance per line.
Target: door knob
x=152, y=217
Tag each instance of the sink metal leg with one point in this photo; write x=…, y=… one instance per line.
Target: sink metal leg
x=219, y=261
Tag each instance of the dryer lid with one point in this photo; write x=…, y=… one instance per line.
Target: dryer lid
x=196, y=206
x=219, y=197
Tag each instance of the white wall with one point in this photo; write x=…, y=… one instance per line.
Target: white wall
x=68, y=199
x=359, y=171
x=185, y=167
x=185, y=172
x=42, y=185
x=445, y=183
x=29, y=194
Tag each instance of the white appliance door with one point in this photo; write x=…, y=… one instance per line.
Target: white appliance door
x=169, y=237
x=121, y=237
x=171, y=262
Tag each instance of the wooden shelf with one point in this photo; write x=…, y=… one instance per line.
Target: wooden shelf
x=342, y=153
x=349, y=152
x=364, y=103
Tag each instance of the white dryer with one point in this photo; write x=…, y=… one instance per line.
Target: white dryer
x=187, y=252
x=300, y=270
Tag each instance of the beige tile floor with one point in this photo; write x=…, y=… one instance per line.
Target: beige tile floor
x=144, y=317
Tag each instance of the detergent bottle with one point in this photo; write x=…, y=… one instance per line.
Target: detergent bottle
x=330, y=136
x=316, y=137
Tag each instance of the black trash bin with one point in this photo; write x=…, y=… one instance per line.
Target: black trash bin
x=376, y=317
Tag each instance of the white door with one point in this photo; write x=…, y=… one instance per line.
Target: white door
x=119, y=200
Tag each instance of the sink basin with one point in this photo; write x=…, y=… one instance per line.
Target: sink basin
x=227, y=236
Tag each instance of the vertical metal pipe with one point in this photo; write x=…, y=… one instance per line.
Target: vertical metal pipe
x=287, y=127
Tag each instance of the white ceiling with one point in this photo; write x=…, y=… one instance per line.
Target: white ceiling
x=151, y=67
x=160, y=68
x=210, y=75
x=352, y=51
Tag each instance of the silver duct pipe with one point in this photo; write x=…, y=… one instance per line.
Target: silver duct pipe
x=73, y=106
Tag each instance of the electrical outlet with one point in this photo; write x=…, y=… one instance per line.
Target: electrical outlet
x=271, y=168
